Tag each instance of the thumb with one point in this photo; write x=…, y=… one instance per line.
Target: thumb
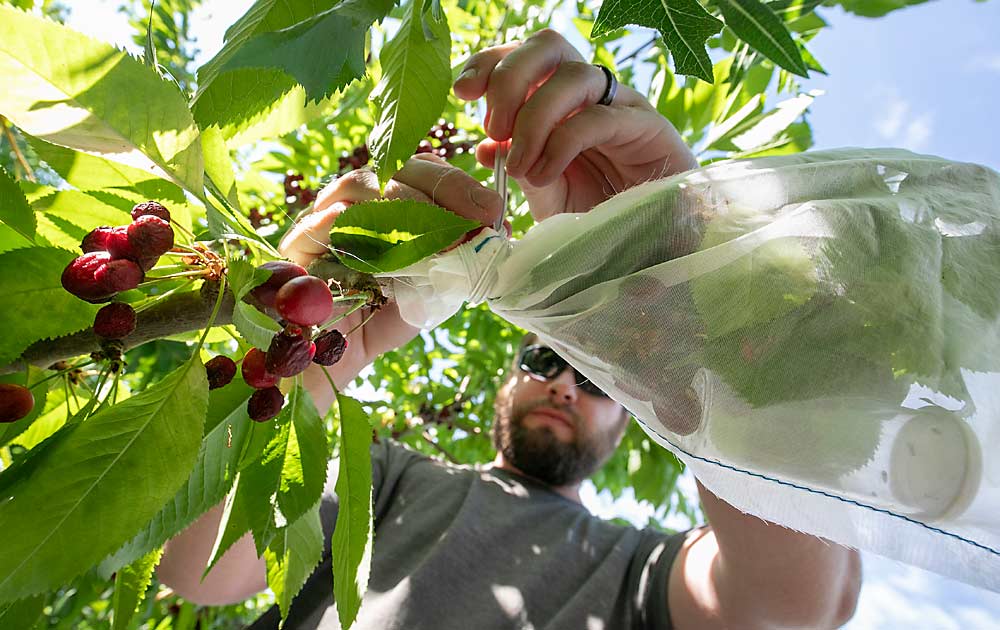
x=310, y=238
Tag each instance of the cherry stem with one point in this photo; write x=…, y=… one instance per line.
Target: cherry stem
x=61, y=372
x=186, y=274
x=211, y=318
x=362, y=300
x=367, y=319
x=183, y=229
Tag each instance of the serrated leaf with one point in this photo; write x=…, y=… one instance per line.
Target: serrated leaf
x=759, y=26
x=66, y=216
x=14, y=210
x=292, y=556
x=22, y=614
x=413, y=90
x=378, y=236
x=219, y=166
x=243, y=276
x=756, y=132
x=351, y=545
x=71, y=511
x=283, y=483
x=793, y=9
x=90, y=172
x=684, y=25
x=228, y=428
x=252, y=80
x=36, y=305
x=255, y=327
x=130, y=588
x=79, y=92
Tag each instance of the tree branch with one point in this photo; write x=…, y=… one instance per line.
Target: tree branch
x=174, y=315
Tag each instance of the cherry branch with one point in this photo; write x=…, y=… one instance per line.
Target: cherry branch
x=182, y=313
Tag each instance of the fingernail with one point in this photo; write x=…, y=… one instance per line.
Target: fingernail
x=468, y=73
x=483, y=197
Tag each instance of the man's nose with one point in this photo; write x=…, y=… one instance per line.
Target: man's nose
x=562, y=388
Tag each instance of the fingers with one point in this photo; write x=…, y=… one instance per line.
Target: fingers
x=508, y=74
x=573, y=85
x=310, y=237
x=451, y=188
x=595, y=126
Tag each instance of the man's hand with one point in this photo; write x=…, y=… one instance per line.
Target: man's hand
x=425, y=178
x=567, y=152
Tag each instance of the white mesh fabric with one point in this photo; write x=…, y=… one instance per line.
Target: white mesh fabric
x=817, y=336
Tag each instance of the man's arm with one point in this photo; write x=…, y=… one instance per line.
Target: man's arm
x=742, y=572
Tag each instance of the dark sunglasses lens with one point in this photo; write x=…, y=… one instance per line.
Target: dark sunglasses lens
x=542, y=361
x=588, y=386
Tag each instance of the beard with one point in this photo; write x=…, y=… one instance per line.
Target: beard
x=539, y=453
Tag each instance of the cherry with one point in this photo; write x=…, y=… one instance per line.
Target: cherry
x=119, y=245
x=150, y=236
x=305, y=301
x=15, y=402
x=118, y=275
x=281, y=272
x=254, y=371
x=150, y=208
x=114, y=321
x=265, y=404
x=330, y=347
x=96, y=240
x=80, y=277
x=221, y=370
x=289, y=354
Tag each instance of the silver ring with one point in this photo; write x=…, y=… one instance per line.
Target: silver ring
x=612, y=87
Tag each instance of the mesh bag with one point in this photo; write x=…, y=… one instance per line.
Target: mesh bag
x=817, y=336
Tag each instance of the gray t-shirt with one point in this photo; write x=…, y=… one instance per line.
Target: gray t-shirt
x=479, y=548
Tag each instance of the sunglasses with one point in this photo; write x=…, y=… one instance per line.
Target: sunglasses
x=544, y=362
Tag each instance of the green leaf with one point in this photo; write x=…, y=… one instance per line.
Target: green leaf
x=37, y=306
x=79, y=92
x=66, y=216
x=758, y=131
x=789, y=10
x=14, y=210
x=212, y=476
x=377, y=236
x=292, y=556
x=73, y=509
x=283, y=483
x=219, y=166
x=89, y=172
x=351, y=545
x=683, y=24
x=413, y=90
x=243, y=277
x=22, y=614
x=130, y=588
x=875, y=8
x=759, y=26
x=255, y=327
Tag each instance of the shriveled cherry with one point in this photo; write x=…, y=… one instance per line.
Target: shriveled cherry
x=119, y=245
x=15, y=402
x=150, y=236
x=289, y=354
x=119, y=275
x=96, y=240
x=265, y=404
x=281, y=272
x=330, y=347
x=115, y=321
x=254, y=372
x=305, y=301
x=79, y=277
x=150, y=207
x=221, y=370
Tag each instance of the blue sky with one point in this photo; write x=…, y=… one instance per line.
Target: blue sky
x=925, y=78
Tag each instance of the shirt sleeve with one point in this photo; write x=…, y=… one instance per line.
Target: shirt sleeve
x=650, y=577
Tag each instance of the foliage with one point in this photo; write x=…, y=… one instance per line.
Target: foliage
x=121, y=453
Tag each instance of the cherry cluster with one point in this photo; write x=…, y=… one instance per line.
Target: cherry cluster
x=116, y=259
x=303, y=303
x=440, y=135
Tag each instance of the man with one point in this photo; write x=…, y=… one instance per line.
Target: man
x=509, y=545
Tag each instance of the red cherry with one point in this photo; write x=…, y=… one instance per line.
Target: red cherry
x=96, y=240
x=150, y=207
x=254, y=372
x=150, y=236
x=265, y=404
x=79, y=277
x=289, y=354
x=305, y=301
x=114, y=321
x=15, y=402
x=281, y=272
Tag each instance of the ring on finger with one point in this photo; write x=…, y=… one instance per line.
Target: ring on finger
x=611, y=88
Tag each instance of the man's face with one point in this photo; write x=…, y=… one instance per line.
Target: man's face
x=554, y=431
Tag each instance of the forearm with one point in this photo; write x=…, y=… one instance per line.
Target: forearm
x=781, y=577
